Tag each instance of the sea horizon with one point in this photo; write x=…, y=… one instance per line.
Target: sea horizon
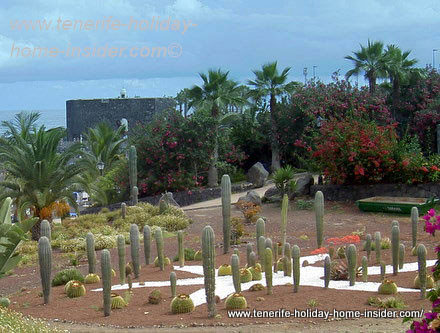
x=49, y=118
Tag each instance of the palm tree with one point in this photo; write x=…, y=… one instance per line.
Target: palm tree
x=369, y=60
x=215, y=94
x=37, y=174
x=399, y=69
x=182, y=100
x=269, y=82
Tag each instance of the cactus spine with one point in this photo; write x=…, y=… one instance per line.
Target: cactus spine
x=261, y=226
x=382, y=270
x=421, y=259
x=268, y=270
x=45, y=260
x=319, y=214
x=134, y=247
x=106, y=271
x=352, y=261
x=235, y=266
x=147, y=243
x=395, y=241
x=45, y=230
x=414, y=221
x=159, y=244
x=123, y=210
x=121, y=257
x=378, y=241
x=226, y=212
x=327, y=268
x=208, y=256
x=364, y=269
x=134, y=195
x=248, y=254
x=252, y=259
x=173, y=282
x=91, y=256
x=181, y=250
x=132, y=169
x=287, y=262
x=296, y=267
x=401, y=255
x=284, y=209
x=368, y=245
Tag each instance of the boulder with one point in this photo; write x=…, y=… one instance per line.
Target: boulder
x=303, y=183
x=251, y=196
x=257, y=175
x=272, y=194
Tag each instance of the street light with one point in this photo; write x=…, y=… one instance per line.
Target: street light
x=100, y=165
x=433, y=57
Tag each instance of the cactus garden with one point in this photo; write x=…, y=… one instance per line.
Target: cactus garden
x=333, y=258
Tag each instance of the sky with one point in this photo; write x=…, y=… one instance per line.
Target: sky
x=52, y=51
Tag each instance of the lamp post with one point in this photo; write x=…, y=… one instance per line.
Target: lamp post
x=100, y=165
x=433, y=57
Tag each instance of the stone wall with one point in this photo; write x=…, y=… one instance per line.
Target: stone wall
x=85, y=113
x=356, y=192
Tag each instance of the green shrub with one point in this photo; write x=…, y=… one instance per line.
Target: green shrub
x=73, y=245
x=169, y=222
x=387, y=303
x=104, y=242
x=66, y=275
x=188, y=253
x=304, y=204
x=11, y=321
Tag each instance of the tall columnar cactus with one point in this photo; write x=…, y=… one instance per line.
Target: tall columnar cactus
x=106, y=271
x=226, y=212
x=147, y=243
x=368, y=245
x=352, y=262
x=378, y=244
x=236, y=252
x=421, y=259
x=121, y=257
x=249, y=250
x=208, y=256
x=414, y=222
x=284, y=209
x=268, y=270
x=159, y=245
x=123, y=210
x=91, y=255
x=45, y=230
x=134, y=247
x=181, y=250
x=268, y=243
x=252, y=259
x=134, y=195
x=401, y=255
x=132, y=167
x=395, y=241
x=261, y=247
x=275, y=257
x=287, y=262
x=261, y=226
x=296, y=267
x=235, y=266
x=394, y=222
x=45, y=260
x=319, y=214
x=173, y=282
x=327, y=268
x=382, y=270
x=364, y=268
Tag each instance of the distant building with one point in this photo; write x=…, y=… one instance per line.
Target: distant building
x=82, y=114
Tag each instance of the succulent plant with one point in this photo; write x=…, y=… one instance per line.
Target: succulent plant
x=236, y=301
x=106, y=271
x=121, y=258
x=421, y=260
x=395, y=241
x=159, y=244
x=327, y=267
x=208, y=254
x=198, y=255
x=364, y=268
x=64, y=276
x=352, y=263
x=340, y=252
x=414, y=222
x=180, y=248
x=155, y=297
x=401, y=255
x=261, y=247
x=268, y=270
x=284, y=209
x=67, y=285
x=113, y=272
x=387, y=287
x=182, y=304
x=128, y=269
x=147, y=243
x=91, y=256
x=235, y=267
x=268, y=244
x=377, y=242
x=382, y=270
x=91, y=278
x=130, y=283
x=236, y=252
x=256, y=287
x=368, y=245
x=280, y=264
x=249, y=250
x=132, y=167
x=226, y=211
x=275, y=257
x=134, y=195
x=296, y=267
x=256, y=273
x=76, y=289
x=245, y=275
x=45, y=260
x=287, y=260
x=252, y=259
x=46, y=230
x=134, y=248
x=260, y=226
x=4, y=302
x=117, y=302
x=166, y=261
x=224, y=269
x=123, y=210
x=173, y=282
x=429, y=282
x=319, y=216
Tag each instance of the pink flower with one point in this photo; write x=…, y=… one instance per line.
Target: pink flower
x=431, y=212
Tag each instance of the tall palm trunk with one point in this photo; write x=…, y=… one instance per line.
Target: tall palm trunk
x=276, y=160
x=372, y=83
x=396, y=94
x=212, y=171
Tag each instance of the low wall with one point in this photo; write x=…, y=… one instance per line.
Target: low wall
x=184, y=198
x=356, y=192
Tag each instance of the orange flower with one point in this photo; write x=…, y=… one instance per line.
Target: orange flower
x=321, y=250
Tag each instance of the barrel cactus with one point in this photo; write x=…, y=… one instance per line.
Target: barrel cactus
x=182, y=304
x=296, y=267
x=91, y=255
x=106, y=270
x=180, y=248
x=352, y=263
x=117, y=302
x=236, y=301
x=395, y=242
x=208, y=256
x=76, y=289
x=256, y=287
x=91, y=278
x=46, y=230
x=268, y=270
x=421, y=259
x=429, y=282
x=245, y=275
x=256, y=273
x=155, y=297
x=121, y=258
x=147, y=243
x=159, y=244
x=387, y=287
x=224, y=269
x=226, y=211
x=235, y=266
x=45, y=261
x=319, y=217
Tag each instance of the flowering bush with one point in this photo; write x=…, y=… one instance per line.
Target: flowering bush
x=349, y=239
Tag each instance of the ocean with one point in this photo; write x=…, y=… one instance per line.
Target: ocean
x=48, y=118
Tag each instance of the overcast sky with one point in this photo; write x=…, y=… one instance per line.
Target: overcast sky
x=197, y=35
